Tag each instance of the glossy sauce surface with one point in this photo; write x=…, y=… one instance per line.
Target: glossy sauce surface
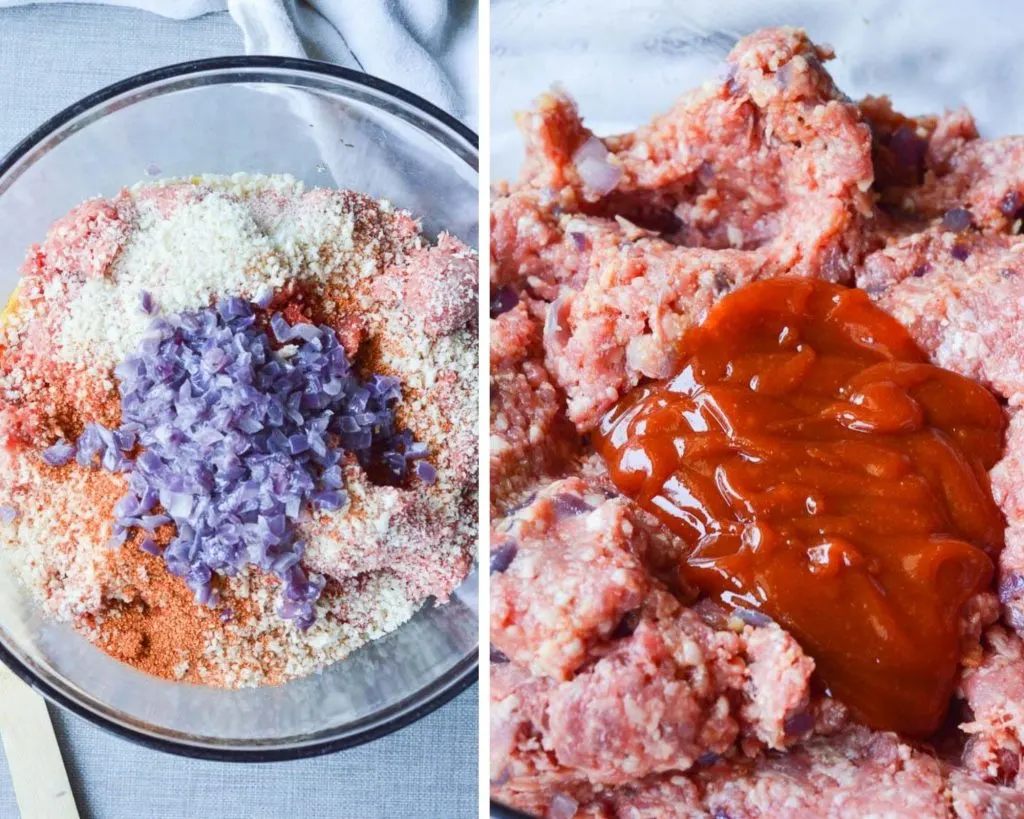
x=822, y=472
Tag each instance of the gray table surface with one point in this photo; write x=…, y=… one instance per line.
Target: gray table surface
x=50, y=57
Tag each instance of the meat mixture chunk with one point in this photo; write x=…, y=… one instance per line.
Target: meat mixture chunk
x=672, y=694
x=961, y=295
x=631, y=238
x=995, y=693
x=565, y=574
x=1008, y=489
x=529, y=434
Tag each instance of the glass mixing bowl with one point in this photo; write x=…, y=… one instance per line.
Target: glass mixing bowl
x=623, y=68
x=328, y=127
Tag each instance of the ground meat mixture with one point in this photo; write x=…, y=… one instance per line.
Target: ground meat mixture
x=762, y=174
x=530, y=435
x=995, y=693
x=1008, y=489
x=616, y=691
x=585, y=551
x=324, y=276
x=962, y=298
x=906, y=149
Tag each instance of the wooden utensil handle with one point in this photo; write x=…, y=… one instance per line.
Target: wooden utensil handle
x=33, y=756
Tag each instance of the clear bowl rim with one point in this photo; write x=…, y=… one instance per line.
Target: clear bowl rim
x=501, y=811
x=465, y=672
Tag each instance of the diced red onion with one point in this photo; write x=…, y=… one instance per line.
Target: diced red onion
x=502, y=556
x=1010, y=204
x=570, y=505
x=960, y=252
x=556, y=322
x=503, y=299
x=235, y=441
x=752, y=616
x=799, y=724
x=426, y=472
x=957, y=220
x=563, y=806
x=908, y=148
x=596, y=172
x=59, y=454
x=8, y=514
x=149, y=546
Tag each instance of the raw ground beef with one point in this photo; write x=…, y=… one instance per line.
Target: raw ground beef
x=584, y=552
x=604, y=252
x=762, y=174
x=995, y=693
x=906, y=149
x=1008, y=490
x=961, y=295
x=620, y=680
x=530, y=435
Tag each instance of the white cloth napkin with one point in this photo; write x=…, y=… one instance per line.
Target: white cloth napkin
x=426, y=46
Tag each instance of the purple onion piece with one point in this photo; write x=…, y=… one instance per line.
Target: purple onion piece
x=498, y=657
x=798, y=724
x=503, y=555
x=1011, y=587
x=146, y=303
x=556, y=322
x=8, y=514
x=595, y=168
x=1011, y=203
x=426, y=472
x=960, y=252
x=234, y=441
x=128, y=505
x=503, y=299
x=908, y=148
x=563, y=806
x=149, y=546
x=1014, y=616
x=59, y=454
x=957, y=220
x=568, y=505
x=752, y=617
x=282, y=329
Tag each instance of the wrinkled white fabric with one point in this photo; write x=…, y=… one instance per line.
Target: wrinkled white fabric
x=427, y=46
